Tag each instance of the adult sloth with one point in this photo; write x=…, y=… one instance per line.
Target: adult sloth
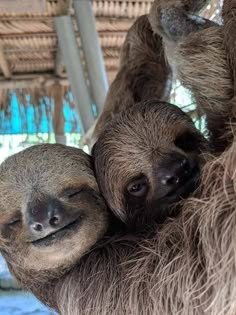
x=195, y=49
x=53, y=236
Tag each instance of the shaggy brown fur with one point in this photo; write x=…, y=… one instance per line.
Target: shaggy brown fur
x=139, y=156
x=124, y=151
x=195, y=50
x=143, y=73
x=42, y=190
x=187, y=268
x=228, y=13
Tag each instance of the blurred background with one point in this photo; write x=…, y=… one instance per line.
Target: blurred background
x=57, y=58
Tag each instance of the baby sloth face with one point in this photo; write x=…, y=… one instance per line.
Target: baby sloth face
x=51, y=211
x=147, y=160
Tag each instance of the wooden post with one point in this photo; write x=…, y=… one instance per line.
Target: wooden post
x=58, y=117
x=72, y=59
x=92, y=51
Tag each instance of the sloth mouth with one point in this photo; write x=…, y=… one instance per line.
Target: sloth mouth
x=58, y=235
x=187, y=188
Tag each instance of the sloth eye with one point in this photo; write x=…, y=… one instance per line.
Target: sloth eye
x=14, y=221
x=74, y=193
x=138, y=187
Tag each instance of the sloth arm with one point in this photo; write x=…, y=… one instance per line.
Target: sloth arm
x=195, y=51
x=143, y=73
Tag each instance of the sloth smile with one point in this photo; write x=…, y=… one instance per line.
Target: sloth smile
x=59, y=234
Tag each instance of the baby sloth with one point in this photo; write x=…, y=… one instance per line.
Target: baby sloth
x=152, y=154
x=146, y=160
x=44, y=223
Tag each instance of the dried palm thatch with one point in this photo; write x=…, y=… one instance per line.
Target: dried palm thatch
x=29, y=56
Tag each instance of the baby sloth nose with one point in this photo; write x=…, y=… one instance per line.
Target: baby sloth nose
x=45, y=218
x=176, y=174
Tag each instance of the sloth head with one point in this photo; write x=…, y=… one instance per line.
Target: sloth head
x=51, y=211
x=146, y=160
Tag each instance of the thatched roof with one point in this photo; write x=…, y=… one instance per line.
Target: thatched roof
x=28, y=40
x=29, y=45
x=28, y=37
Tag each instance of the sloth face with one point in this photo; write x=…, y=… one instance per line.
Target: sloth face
x=147, y=160
x=51, y=212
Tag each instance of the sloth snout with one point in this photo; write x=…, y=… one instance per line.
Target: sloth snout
x=176, y=173
x=48, y=216
x=176, y=176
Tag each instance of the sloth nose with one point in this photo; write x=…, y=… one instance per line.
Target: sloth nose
x=174, y=174
x=51, y=220
x=45, y=217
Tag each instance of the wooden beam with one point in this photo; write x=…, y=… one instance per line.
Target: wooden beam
x=31, y=76
x=23, y=6
x=27, y=34
x=31, y=83
x=4, y=64
x=53, y=35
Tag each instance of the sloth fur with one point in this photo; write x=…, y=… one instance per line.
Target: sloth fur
x=143, y=70
x=187, y=266
x=195, y=50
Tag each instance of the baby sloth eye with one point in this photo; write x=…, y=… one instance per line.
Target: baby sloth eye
x=14, y=221
x=71, y=192
x=138, y=187
x=74, y=194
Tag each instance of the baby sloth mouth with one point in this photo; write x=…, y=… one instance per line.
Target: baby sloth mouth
x=59, y=234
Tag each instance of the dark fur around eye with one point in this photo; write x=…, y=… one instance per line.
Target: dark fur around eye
x=14, y=221
x=72, y=192
x=138, y=187
x=79, y=193
x=188, y=142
